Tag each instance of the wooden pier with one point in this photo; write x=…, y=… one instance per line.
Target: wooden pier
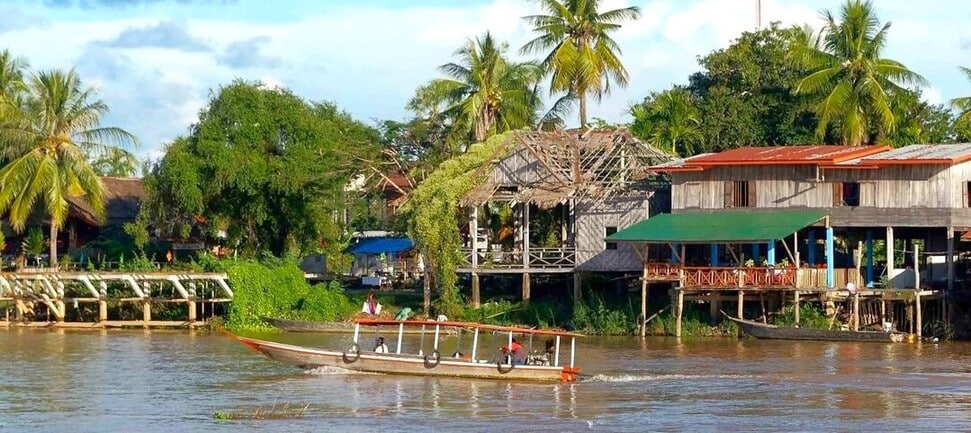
x=49, y=293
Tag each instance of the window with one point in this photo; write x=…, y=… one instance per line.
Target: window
x=967, y=193
x=740, y=193
x=846, y=194
x=609, y=230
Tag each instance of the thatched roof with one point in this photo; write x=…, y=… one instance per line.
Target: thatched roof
x=548, y=168
x=123, y=200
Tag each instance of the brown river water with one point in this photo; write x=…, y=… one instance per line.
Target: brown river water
x=121, y=381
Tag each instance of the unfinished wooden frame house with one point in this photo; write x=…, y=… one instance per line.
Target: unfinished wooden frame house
x=822, y=207
x=582, y=186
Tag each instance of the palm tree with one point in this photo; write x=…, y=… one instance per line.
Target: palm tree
x=670, y=119
x=581, y=56
x=855, y=83
x=11, y=82
x=48, y=141
x=963, y=104
x=485, y=93
x=116, y=162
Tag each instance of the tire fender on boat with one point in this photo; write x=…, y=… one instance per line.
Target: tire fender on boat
x=432, y=360
x=505, y=368
x=352, y=354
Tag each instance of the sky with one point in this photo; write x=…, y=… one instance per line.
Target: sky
x=156, y=63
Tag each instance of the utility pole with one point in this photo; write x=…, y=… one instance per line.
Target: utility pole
x=758, y=14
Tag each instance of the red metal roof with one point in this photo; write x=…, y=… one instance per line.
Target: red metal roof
x=786, y=155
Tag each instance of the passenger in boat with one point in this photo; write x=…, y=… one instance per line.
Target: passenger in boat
x=516, y=352
x=380, y=347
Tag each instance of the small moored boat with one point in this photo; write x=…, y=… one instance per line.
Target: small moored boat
x=481, y=364
x=773, y=332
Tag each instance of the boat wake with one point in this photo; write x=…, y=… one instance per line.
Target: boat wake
x=329, y=370
x=654, y=377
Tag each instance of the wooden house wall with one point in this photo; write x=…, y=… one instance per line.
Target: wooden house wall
x=905, y=195
x=593, y=218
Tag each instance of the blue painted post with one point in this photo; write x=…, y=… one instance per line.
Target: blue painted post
x=714, y=254
x=755, y=255
x=770, y=253
x=830, y=268
x=674, y=253
x=811, y=248
x=869, y=258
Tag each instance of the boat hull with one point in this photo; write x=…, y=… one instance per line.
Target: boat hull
x=364, y=361
x=772, y=332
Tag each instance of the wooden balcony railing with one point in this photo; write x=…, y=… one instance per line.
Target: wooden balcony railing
x=546, y=258
x=748, y=277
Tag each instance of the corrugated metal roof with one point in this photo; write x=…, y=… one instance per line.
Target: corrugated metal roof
x=786, y=155
x=922, y=154
x=718, y=226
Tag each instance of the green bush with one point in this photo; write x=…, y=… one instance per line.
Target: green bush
x=279, y=289
x=810, y=316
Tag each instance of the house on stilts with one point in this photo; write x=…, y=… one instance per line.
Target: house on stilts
x=546, y=205
x=867, y=229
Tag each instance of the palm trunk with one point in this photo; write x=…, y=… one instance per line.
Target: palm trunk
x=53, y=245
x=583, y=110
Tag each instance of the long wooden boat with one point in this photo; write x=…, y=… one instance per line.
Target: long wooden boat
x=773, y=332
x=432, y=363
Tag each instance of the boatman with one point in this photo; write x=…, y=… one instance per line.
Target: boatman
x=516, y=352
x=380, y=347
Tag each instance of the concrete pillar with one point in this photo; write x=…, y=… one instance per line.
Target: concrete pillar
x=830, y=259
x=770, y=253
x=795, y=301
x=525, y=289
x=476, y=297
x=740, y=312
x=869, y=258
x=680, y=311
x=102, y=310
x=146, y=311
x=191, y=303
x=811, y=248
x=920, y=317
x=714, y=306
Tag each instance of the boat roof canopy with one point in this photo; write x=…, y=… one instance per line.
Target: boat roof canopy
x=468, y=325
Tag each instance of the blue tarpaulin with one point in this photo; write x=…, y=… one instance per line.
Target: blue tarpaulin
x=381, y=245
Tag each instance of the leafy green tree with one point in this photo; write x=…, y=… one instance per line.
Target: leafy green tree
x=47, y=141
x=11, y=75
x=856, y=85
x=263, y=165
x=580, y=54
x=669, y=119
x=485, y=93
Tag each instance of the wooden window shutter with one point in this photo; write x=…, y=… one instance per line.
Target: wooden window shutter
x=964, y=192
x=752, y=196
x=729, y=193
x=837, y=194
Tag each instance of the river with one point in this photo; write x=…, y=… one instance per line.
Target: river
x=119, y=381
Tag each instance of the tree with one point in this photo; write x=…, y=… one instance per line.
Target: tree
x=580, y=55
x=669, y=119
x=47, y=141
x=963, y=104
x=484, y=93
x=116, y=162
x=263, y=165
x=856, y=85
x=11, y=75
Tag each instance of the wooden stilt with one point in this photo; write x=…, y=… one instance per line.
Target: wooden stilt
x=526, y=293
x=714, y=305
x=642, y=325
x=856, y=311
x=577, y=289
x=476, y=296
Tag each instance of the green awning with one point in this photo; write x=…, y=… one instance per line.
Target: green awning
x=731, y=226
